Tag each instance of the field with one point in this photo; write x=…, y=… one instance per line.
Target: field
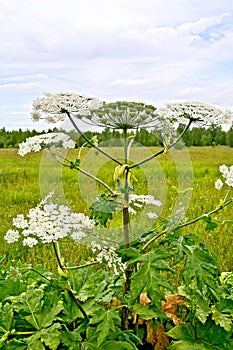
x=23, y=181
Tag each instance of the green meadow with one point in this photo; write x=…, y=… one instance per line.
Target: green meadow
x=182, y=177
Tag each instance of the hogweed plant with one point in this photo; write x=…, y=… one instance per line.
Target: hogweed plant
x=153, y=289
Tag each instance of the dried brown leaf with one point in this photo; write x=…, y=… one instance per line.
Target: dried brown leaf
x=156, y=337
x=169, y=307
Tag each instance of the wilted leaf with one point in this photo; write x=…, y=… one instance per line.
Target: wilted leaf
x=156, y=336
x=169, y=307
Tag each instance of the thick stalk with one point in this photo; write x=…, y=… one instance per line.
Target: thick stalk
x=126, y=223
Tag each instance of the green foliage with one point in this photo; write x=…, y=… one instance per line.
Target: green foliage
x=200, y=337
x=102, y=210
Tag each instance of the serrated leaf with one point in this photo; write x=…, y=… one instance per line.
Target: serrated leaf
x=107, y=321
x=48, y=315
x=150, y=278
x=210, y=225
x=70, y=338
x=208, y=335
x=6, y=318
x=146, y=312
x=197, y=301
x=51, y=336
x=199, y=265
x=223, y=320
x=15, y=344
x=102, y=210
x=30, y=302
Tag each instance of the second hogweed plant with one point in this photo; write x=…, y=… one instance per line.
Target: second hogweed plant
x=144, y=289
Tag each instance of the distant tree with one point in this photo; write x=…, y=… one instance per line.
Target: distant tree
x=229, y=137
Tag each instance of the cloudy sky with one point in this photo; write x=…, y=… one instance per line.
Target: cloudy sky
x=155, y=51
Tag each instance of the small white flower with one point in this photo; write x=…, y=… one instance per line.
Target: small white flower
x=20, y=221
x=218, y=184
x=229, y=181
x=12, y=236
x=223, y=169
x=30, y=242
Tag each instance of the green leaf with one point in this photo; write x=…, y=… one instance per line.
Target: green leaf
x=150, y=276
x=186, y=345
x=200, y=265
x=223, y=320
x=107, y=320
x=70, y=338
x=117, y=345
x=6, y=318
x=197, y=301
x=15, y=344
x=147, y=312
x=48, y=315
x=207, y=336
x=210, y=225
x=103, y=208
x=75, y=164
x=51, y=336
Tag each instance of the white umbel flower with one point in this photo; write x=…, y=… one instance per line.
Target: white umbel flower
x=36, y=143
x=54, y=107
x=199, y=113
x=47, y=223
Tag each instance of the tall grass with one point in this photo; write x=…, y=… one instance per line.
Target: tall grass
x=23, y=181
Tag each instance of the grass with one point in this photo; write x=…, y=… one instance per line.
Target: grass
x=24, y=181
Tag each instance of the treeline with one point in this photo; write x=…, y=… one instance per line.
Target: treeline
x=212, y=136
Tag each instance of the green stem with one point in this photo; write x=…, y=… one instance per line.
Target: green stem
x=80, y=266
x=58, y=254
x=78, y=303
x=126, y=224
x=169, y=229
x=40, y=274
x=163, y=149
x=71, y=294
x=83, y=172
x=91, y=143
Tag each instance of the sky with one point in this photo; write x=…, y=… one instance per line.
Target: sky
x=152, y=51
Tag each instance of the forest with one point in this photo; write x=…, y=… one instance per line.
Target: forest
x=198, y=136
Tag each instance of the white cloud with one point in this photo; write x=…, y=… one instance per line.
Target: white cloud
x=131, y=49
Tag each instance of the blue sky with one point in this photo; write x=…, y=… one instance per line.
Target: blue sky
x=149, y=50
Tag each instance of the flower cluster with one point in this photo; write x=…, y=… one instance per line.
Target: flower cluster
x=36, y=143
x=227, y=174
x=200, y=113
x=108, y=256
x=49, y=222
x=54, y=107
x=122, y=115
x=139, y=201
